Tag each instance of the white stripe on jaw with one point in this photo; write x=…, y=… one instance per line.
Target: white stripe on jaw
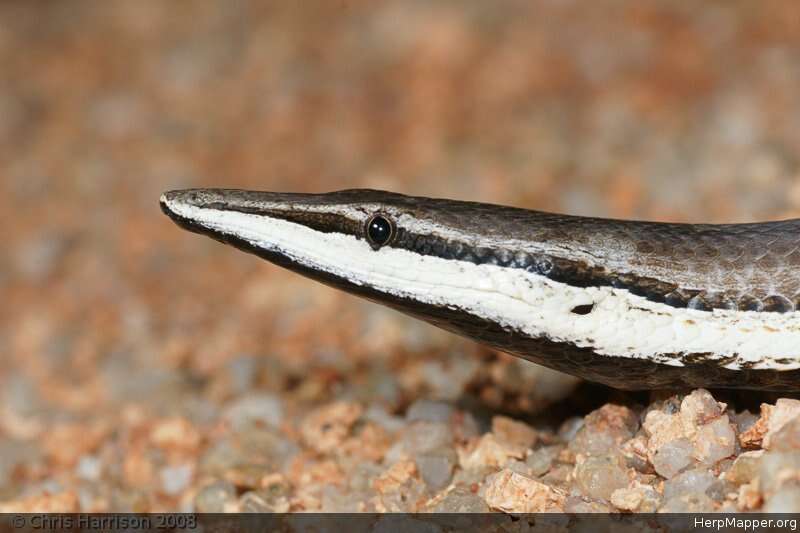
x=620, y=324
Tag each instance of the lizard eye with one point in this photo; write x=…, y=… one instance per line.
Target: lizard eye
x=379, y=230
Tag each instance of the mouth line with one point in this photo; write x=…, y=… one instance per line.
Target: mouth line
x=183, y=221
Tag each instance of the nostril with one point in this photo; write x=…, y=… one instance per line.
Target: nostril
x=584, y=309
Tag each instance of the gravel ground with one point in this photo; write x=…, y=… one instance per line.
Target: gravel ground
x=146, y=369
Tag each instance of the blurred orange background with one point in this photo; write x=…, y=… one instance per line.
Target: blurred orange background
x=111, y=315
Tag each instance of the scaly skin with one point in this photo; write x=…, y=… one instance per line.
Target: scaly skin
x=742, y=269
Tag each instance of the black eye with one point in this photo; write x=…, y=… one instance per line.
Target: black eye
x=379, y=231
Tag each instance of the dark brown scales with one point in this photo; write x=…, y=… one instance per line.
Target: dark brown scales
x=750, y=267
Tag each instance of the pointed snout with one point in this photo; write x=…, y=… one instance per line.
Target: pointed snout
x=210, y=211
x=193, y=208
x=172, y=201
x=176, y=203
x=180, y=204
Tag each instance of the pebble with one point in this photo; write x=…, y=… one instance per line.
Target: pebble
x=341, y=458
x=399, y=488
x=604, y=429
x=515, y=432
x=262, y=445
x=639, y=497
x=776, y=468
x=396, y=452
x=174, y=479
x=688, y=430
x=541, y=460
x=381, y=386
x=787, y=437
x=569, y=428
x=460, y=500
x=673, y=457
x=745, y=467
x=252, y=446
x=662, y=427
x=720, y=490
x=511, y=492
x=175, y=434
x=518, y=467
x=465, y=426
x=218, y=497
x=89, y=467
x=379, y=415
x=635, y=451
x=370, y=442
x=429, y=411
x=560, y=475
x=396, y=474
x=599, y=476
x=325, y=428
x=749, y=497
x=699, y=407
x=256, y=408
x=715, y=441
x=424, y=436
x=219, y=457
x=772, y=419
x=785, y=410
x=691, y=481
x=744, y=420
x=363, y=475
x=473, y=477
x=490, y=452
x=436, y=467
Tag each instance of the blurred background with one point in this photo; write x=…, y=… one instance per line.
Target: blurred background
x=133, y=352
